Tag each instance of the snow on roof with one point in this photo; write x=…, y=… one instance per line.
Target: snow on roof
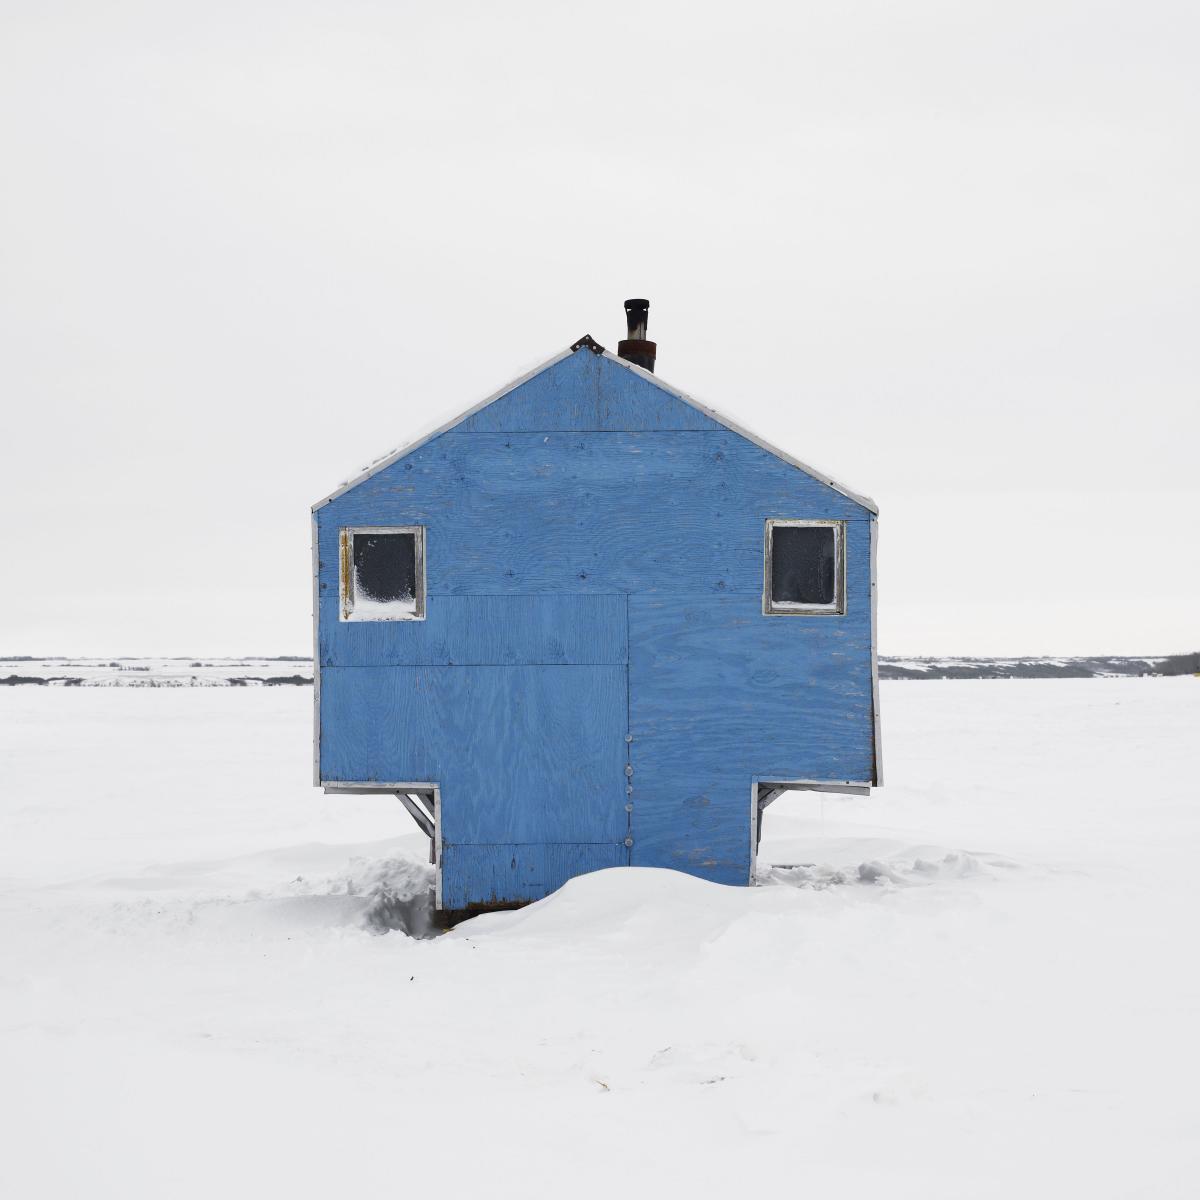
x=387, y=460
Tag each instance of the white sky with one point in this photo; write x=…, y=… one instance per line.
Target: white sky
x=947, y=252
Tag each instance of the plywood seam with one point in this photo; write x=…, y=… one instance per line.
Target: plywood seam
x=613, y=842
x=536, y=432
x=377, y=666
x=656, y=592
x=525, y=595
x=629, y=739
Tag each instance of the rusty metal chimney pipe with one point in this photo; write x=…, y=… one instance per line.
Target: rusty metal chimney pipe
x=635, y=348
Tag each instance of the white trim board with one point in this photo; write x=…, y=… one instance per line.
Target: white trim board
x=650, y=377
x=372, y=787
x=876, y=726
x=316, y=636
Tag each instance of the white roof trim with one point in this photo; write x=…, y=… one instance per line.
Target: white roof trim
x=379, y=464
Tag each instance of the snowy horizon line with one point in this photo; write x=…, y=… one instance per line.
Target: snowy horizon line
x=295, y=670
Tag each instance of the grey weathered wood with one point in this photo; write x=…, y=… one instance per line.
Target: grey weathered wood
x=423, y=820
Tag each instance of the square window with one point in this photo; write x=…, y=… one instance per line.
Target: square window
x=383, y=574
x=804, y=568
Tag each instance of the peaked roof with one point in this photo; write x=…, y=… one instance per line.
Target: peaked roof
x=586, y=344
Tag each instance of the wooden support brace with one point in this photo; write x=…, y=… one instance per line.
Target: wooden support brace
x=423, y=819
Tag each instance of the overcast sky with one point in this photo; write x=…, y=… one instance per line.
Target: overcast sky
x=947, y=252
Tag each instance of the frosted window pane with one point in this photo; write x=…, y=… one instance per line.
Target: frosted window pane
x=385, y=567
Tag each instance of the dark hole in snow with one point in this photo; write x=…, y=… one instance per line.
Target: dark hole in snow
x=414, y=915
x=385, y=566
x=802, y=564
x=400, y=898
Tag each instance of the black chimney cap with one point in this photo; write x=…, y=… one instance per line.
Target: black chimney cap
x=635, y=347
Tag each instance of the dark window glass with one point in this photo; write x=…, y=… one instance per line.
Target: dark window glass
x=803, y=564
x=385, y=566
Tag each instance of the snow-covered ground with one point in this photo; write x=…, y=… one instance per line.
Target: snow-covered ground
x=25, y=671
x=983, y=983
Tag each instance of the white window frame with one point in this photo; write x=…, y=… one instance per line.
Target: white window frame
x=784, y=608
x=346, y=572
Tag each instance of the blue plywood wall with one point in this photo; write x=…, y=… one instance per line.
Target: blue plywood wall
x=594, y=557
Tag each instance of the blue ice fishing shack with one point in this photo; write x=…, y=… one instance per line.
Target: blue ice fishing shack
x=591, y=623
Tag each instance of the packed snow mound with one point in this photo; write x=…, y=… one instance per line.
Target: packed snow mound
x=616, y=901
x=657, y=904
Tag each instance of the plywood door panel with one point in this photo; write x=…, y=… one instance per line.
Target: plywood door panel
x=521, y=753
